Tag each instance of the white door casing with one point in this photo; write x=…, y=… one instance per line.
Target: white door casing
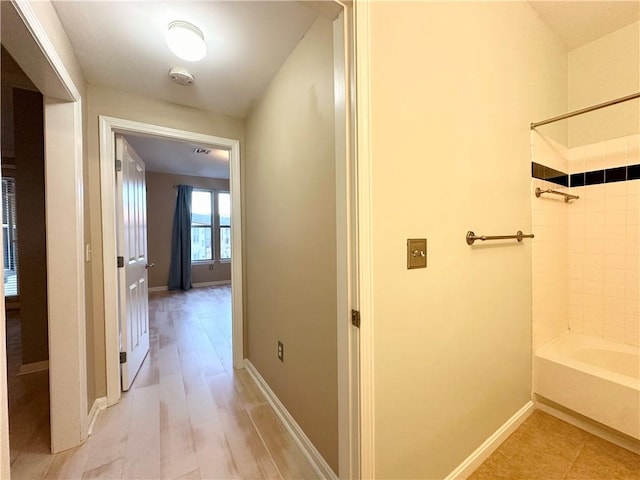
x=347, y=259
x=133, y=302
x=364, y=235
x=108, y=127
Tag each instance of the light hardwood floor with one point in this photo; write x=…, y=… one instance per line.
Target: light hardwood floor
x=189, y=415
x=28, y=395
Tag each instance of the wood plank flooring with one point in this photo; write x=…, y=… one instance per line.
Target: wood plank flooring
x=28, y=397
x=189, y=415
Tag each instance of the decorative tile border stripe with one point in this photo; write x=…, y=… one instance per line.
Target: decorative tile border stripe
x=549, y=174
x=594, y=177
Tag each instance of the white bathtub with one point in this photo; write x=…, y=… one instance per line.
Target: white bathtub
x=594, y=377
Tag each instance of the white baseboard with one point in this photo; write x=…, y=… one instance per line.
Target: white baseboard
x=212, y=284
x=158, y=289
x=34, y=367
x=195, y=285
x=473, y=461
x=319, y=464
x=96, y=409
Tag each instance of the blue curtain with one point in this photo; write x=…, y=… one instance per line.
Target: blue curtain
x=180, y=270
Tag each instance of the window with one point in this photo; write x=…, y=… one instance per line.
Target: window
x=210, y=234
x=10, y=237
x=224, y=235
x=201, y=226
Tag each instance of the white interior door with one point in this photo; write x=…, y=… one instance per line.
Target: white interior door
x=133, y=300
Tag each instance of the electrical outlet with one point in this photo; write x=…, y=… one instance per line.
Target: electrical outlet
x=211, y=267
x=280, y=351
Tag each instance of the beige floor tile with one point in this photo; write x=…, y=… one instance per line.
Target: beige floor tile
x=603, y=460
x=545, y=447
x=544, y=433
x=517, y=462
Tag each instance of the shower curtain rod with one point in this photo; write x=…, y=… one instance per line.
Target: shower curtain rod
x=585, y=110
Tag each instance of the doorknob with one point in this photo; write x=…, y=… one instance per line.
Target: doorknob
x=149, y=265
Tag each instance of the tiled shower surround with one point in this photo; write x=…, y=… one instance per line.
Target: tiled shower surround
x=586, y=254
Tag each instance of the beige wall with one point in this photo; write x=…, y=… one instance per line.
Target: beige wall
x=161, y=203
x=291, y=238
x=600, y=71
x=454, y=88
x=129, y=106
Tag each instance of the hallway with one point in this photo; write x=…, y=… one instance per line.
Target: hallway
x=188, y=414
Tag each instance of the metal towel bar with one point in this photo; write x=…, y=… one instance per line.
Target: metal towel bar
x=566, y=196
x=472, y=237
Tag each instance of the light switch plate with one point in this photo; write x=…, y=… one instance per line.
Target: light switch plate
x=416, y=253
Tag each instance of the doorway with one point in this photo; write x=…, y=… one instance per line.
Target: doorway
x=26, y=40
x=25, y=272
x=109, y=127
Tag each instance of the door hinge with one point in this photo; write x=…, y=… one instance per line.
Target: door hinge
x=355, y=318
x=118, y=165
x=120, y=262
x=123, y=357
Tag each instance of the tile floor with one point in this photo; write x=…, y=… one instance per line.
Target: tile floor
x=546, y=448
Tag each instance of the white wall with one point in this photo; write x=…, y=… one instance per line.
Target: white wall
x=604, y=245
x=603, y=70
x=455, y=86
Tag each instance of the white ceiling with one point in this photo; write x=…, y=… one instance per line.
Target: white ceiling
x=577, y=23
x=120, y=44
x=170, y=156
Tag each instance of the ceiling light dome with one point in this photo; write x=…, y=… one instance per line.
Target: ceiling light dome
x=186, y=41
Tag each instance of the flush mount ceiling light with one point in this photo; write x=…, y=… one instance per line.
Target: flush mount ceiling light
x=186, y=41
